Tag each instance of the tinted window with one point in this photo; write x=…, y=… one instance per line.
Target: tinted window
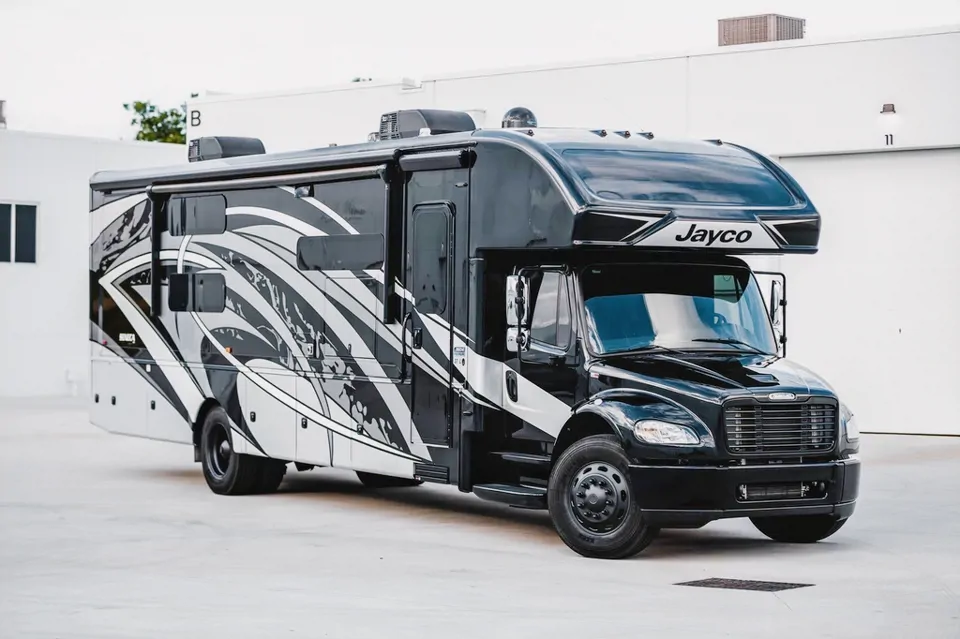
x=6, y=224
x=25, y=242
x=359, y=203
x=550, y=322
x=198, y=292
x=200, y=215
x=430, y=259
x=340, y=252
x=677, y=177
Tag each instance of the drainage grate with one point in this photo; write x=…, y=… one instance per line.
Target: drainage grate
x=743, y=584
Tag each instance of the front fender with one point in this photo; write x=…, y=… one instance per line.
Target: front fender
x=621, y=409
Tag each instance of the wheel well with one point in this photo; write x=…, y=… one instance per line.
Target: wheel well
x=578, y=427
x=205, y=408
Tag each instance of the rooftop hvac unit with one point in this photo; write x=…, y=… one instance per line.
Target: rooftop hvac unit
x=770, y=27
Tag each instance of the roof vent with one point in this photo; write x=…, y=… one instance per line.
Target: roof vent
x=409, y=123
x=215, y=148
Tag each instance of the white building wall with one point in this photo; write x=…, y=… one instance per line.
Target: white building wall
x=875, y=309
x=45, y=307
x=781, y=98
x=872, y=310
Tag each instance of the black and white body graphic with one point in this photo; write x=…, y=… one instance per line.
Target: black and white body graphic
x=546, y=318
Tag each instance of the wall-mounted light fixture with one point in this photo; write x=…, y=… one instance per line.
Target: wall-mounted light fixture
x=889, y=123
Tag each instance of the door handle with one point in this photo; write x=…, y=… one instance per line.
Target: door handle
x=403, y=346
x=512, y=385
x=418, y=338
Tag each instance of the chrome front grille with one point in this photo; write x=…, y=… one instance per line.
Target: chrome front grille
x=777, y=429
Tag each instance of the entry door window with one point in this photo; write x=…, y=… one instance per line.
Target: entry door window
x=430, y=246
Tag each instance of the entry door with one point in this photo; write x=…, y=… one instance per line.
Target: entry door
x=429, y=279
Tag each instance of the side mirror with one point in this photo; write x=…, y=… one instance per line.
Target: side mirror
x=518, y=300
x=777, y=301
x=518, y=309
x=776, y=304
x=517, y=340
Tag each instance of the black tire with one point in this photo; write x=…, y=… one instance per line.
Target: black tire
x=373, y=480
x=226, y=471
x=798, y=529
x=599, y=464
x=272, y=472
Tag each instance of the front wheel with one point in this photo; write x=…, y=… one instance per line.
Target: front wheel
x=592, y=504
x=798, y=529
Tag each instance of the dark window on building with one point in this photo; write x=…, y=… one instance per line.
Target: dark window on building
x=678, y=177
x=550, y=323
x=197, y=215
x=18, y=233
x=25, y=241
x=430, y=232
x=340, y=252
x=198, y=292
x=6, y=231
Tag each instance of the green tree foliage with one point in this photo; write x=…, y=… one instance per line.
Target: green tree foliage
x=156, y=125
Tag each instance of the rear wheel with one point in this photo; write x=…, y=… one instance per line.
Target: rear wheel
x=798, y=529
x=591, y=501
x=373, y=480
x=228, y=472
x=271, y=475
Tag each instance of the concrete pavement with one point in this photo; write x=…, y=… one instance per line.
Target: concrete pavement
x=104, y=536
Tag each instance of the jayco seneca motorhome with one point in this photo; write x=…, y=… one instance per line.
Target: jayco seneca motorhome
x=548, y=318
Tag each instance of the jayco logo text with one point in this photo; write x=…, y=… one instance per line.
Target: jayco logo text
x=709, y=237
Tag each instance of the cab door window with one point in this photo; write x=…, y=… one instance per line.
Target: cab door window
x=550, y=321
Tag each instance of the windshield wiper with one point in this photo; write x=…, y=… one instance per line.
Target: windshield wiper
x=730, y=340
x=643, y=350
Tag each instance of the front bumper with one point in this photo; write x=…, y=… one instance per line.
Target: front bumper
x=691, y=496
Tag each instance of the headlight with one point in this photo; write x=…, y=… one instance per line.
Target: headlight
x=849, y=423
x=665, y=433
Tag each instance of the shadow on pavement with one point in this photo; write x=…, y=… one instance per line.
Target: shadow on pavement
x=435, y=504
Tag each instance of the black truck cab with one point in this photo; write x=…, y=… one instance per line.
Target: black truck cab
x=677, y=359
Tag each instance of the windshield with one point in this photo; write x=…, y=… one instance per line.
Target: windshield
x=677, y=306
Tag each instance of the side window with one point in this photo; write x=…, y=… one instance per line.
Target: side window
x=198, y=292
x=550, y=323
x=197, y=215
x=340, y=252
